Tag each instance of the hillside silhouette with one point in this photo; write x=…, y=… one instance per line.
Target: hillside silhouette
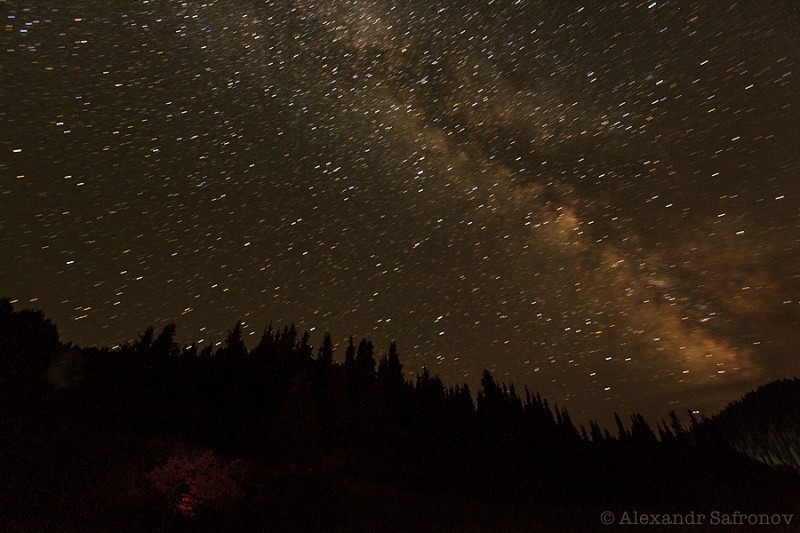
x=765, y=424
x=288, y=436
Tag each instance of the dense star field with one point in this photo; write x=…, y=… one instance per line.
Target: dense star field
x=599, y=201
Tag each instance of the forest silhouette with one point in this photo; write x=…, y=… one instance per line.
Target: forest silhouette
x=154, y=436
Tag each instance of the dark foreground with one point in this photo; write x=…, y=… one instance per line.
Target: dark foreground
x=157, y=437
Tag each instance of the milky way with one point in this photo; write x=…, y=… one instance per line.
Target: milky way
x=598, y=201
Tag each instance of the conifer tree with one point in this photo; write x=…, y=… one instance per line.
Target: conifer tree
x=365, y=361
x=325, y=354
x=622, y=432
x=234, y=344
x=390, y=370
x=145, y=340
x=164, y=345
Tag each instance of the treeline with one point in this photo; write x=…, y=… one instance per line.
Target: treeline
x=287, y=403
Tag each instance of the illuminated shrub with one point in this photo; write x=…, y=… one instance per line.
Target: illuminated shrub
x=194, y=483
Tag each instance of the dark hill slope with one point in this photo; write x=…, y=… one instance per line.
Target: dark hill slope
x=765, y=424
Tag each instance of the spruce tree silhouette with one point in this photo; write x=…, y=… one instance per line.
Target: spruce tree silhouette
x=145, y=341
x=390, y=370
x=350, y=360
x=365, y=362
x=164, y=345
x=325, y=355
x=266, y=347
x=234, y=346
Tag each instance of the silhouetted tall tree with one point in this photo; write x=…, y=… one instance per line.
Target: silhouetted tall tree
x=622, y=432
x=595, y=432
x=303, y=353
x=265, y=349
x=145, y=341
x=234, y=344
x=641, y=432
x=390, y=370
x=164, y=345
x=350, y=358
x=325, y=354
x=365, y=361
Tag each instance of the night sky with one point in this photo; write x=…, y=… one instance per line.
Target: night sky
x=598, y=200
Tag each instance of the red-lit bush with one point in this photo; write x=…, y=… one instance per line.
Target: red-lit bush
x=197, y=482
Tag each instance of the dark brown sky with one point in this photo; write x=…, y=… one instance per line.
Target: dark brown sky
x=601, y=203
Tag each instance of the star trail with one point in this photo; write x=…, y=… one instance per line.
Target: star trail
x=599, y=201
